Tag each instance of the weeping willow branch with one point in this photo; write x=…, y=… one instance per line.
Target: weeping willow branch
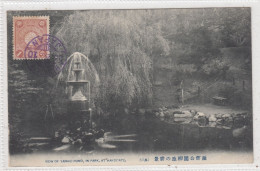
x=118, y=46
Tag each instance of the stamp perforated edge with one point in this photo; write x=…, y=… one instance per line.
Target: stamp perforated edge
x=13, y=38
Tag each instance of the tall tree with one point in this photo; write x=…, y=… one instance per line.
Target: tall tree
x=120, y=44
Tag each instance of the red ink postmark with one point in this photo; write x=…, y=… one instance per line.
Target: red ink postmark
x=26, y=28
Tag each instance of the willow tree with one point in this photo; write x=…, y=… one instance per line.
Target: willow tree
x=120, y=43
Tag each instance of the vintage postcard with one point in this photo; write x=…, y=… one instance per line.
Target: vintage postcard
x=121, y=87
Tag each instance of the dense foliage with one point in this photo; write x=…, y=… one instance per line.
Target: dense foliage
x=129, y=47
x=117, y=43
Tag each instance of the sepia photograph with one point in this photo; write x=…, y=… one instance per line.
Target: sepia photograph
x=130, y=87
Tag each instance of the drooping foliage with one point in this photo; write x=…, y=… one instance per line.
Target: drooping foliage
x=126, y=45
x=120, y=44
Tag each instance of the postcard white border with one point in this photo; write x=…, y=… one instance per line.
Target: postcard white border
x=124, y=4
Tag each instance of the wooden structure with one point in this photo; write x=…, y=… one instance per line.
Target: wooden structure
x=220, y=100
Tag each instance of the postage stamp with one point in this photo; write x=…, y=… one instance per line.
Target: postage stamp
x=27, y=35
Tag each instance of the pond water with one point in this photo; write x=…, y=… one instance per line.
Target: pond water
x=154, y=134
x=146, y=133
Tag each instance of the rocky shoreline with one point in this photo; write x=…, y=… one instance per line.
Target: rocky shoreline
x=238, y=122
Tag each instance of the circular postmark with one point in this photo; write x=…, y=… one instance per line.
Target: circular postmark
x=45, y=55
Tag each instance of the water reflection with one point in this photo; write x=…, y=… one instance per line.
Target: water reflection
x=108, y=138
x=148, y=133
x=155, y=134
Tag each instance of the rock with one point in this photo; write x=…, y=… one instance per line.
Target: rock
x=199, y=115
x=195, y=117
x=164, y=108
x=177, y=112
x=185, y=115
x=212, y=118
x=88, y=134
x=56, y=134
x=160, y=109
x=239, y=132
x=141, y=111
x=161, y=114
x=226, y=115
x=202, y=121
x=78, y=129
x=193, y=112
x=219, y=121
x=186, y=112
x=183, y=120
x=218, y=115
x=243, y=115
x=233, y=115
x=157, y=114
x=212, y=124
x=166, y=113
x=228, y=120
x=106, y=134
x=78, y=142
x=65, y=140
x=171, y=111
